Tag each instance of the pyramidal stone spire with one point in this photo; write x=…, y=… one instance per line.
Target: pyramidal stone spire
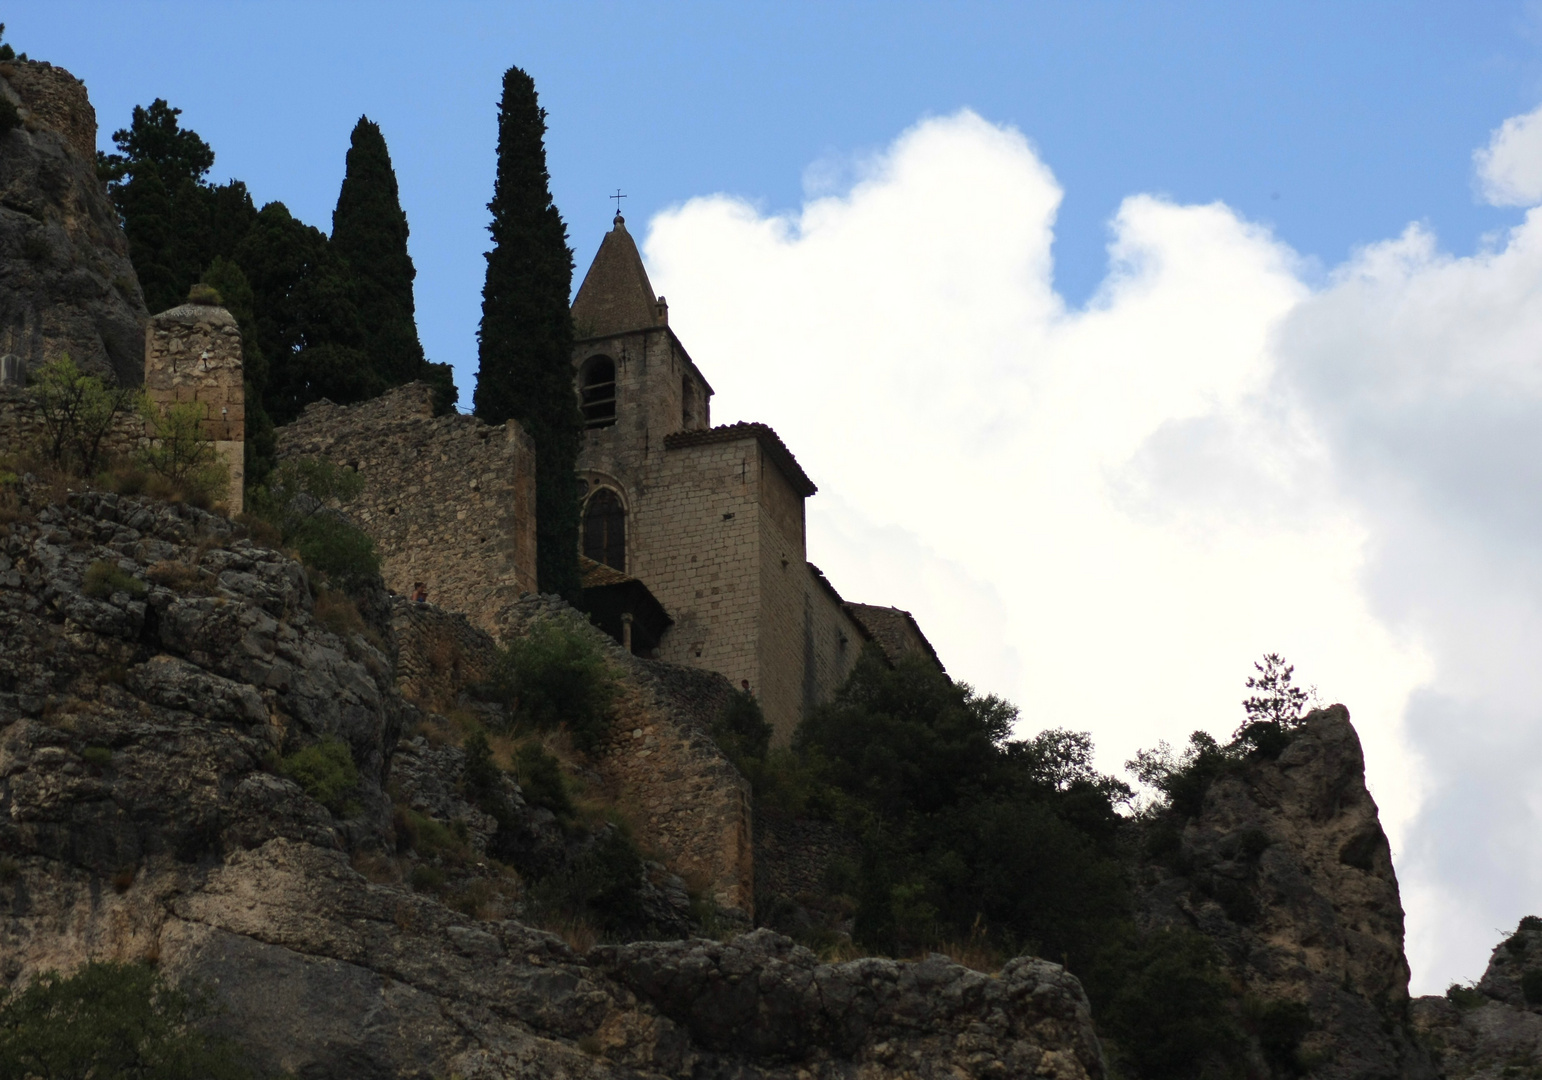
x=616, y=295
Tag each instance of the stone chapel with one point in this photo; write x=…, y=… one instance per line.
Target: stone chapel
x=693, y=539
x=710, y=520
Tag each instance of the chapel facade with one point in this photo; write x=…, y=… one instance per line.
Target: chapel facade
x=708, y=520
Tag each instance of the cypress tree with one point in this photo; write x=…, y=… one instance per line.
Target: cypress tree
x=369, y=231
x=525, y=342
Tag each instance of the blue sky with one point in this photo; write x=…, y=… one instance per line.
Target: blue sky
x=1297, y=415
x=1336, y=124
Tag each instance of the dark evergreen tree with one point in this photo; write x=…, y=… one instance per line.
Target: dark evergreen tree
x=236, y=293
x=526, y=337
x=307, y=326
x=369, y=230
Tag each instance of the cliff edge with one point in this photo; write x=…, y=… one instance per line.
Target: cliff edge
x=66, y=283
x=154, y=663
x=1285, y=866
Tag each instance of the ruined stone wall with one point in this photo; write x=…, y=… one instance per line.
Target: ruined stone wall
x=193, y=354
x=439, y=653
x=688, y=804
x=22, y=430
x=449, y=500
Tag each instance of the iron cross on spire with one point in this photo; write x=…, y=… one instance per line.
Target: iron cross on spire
x=618, y=197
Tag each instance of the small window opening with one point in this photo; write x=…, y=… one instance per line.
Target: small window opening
x=597, y=392
x=605, y=530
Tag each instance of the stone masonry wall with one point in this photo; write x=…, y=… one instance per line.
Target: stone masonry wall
x=694, y=538
x=449, y=500
x=193, y=354
x=439, y=653
x=688, y=804
x=21, y=426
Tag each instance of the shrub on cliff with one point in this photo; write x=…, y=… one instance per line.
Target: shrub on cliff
x=10, y=119
x=555, y=677
x=963, y=828
x=1169, y=1007
x=110, y=1019
x=179, y=453
x=295, y=503
x=78, y=412
x=741, y=731
x=327, y=773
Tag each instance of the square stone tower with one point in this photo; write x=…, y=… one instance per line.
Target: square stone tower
x=710, y=519
x=193, y=353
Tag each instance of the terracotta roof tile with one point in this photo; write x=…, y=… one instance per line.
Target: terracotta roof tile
x=895, y=631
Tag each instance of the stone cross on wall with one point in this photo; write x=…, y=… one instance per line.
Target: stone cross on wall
x=193, y=353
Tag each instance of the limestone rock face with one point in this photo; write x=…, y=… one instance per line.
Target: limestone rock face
x=1491, y=1031
x=1287, y=869
x=66, y=283
x=152, y=663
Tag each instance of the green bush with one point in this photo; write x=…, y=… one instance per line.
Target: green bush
x=339, y=550
x=110, y=1020
x=1465, y=997
x=603, y=885
x=180, y=452
x=741, y=730
x=1531, y=986
x=541, y=781
x=100, y=756
x=1171, y=1011
x=327, y=773
x=202, y=293
x=10, y=119
x=103, y=578
x=294, y=503
x=555, y=677
x=78, y=412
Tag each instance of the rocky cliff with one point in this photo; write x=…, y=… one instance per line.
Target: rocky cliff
x=1287, y=869
x=154, y=665
x=66, y=283
x=1494, y=1029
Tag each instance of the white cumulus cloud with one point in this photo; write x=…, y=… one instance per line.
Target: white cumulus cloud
x=1510, y=166
x=1108, y=513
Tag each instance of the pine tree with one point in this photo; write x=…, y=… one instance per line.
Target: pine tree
x=369, y=231
x=526, y=338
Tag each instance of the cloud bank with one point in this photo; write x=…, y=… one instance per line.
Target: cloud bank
x=1108, y=513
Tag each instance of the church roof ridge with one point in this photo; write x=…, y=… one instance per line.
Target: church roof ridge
x=769, y=441
x=616, y=295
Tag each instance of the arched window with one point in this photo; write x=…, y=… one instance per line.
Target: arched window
x=687, y=403
x=597, y=392
x=605, y=529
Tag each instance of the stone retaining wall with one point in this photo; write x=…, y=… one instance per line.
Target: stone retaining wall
x=688, y=804
x=439, y=653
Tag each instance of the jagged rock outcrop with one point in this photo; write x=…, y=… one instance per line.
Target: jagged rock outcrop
x=153, y=663
x=66, y=283
x=1287, y=869
x=1493, y=1030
